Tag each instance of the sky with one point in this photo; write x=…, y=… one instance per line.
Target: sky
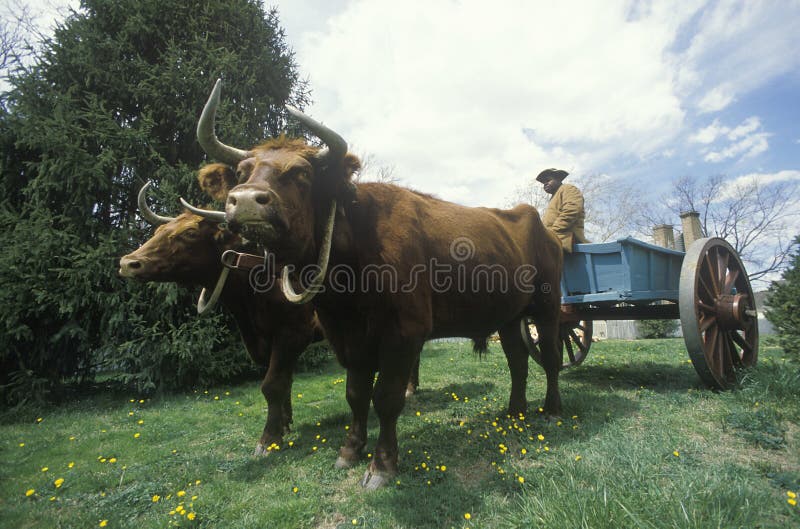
x=468, y=100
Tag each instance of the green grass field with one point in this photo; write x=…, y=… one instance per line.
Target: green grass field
x=640, y=444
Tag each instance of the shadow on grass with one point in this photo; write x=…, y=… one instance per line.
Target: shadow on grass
x=658, y=377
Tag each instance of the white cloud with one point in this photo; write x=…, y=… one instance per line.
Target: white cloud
x=447, y=93
x=709, y=134
x=715, y=100
x=746, y=140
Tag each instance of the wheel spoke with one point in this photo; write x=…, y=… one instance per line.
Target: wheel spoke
x=711, y=270
x=707, y=322
x=707, y=308
x=577, y=340
x=730, y=280
x=741, y=342
x=722, y=268
x=711, y=295
x=570, y=351
x=711, y=348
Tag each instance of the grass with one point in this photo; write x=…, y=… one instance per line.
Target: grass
x=640, y=444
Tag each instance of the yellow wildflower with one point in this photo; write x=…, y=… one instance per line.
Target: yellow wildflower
x=71, y=464
x=103, y=523
x=791, y=494
x=467, y=516
x=45, y=469
x=21, y=445
x=521, y=479
x=112, y=460
x=676, y=453
x=156, y=497
x=444, y=468
x=540, y=437
x=30, y=492
x=181, y=493
x=191, y=516
x=295, y=489
x=792, y=502
x=578, y=458
x=58, y=482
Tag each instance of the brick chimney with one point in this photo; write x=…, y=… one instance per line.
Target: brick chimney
x=664, y=236
x=690, y=221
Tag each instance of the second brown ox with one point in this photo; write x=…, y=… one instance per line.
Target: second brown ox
x=393, y=268
x=187, y=250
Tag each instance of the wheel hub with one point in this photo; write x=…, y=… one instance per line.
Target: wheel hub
x=732, y=310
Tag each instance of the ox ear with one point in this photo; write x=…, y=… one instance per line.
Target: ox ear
x=216, y=180
x=350, y=164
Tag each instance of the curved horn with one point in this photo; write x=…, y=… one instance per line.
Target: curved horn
x=204, y=306
x=148, y=214
x=214, y=216
x=336, y=146
x=325, y=252
x=208, y=139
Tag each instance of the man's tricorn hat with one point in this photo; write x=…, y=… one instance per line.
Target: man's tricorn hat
x=547, y=174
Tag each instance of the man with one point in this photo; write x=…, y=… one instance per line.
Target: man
x=565, y=212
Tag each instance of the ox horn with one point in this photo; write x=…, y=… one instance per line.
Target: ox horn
x=214, y=216
x=208, y=139
x=325, y=252
x=335, y=148
x=148, y=214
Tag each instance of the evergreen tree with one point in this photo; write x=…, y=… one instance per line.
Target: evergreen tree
x=784, y=305
x=112, y=101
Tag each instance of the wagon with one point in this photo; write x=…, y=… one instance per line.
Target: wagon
x=706, y=288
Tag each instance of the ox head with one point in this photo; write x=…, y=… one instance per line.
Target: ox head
x=187, y=248
x=288, y=190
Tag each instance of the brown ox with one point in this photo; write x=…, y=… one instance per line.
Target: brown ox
x=187, y=250
x=299, y=201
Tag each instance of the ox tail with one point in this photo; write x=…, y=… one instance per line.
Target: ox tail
x=480, y=345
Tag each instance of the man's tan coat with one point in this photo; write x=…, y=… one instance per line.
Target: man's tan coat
x=565, y=216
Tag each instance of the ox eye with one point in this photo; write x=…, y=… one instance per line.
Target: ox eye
x=240, y=175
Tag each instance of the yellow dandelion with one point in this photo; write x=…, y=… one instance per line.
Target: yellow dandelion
x=181, y=493
x=299, y=395
x=791, y=494
x=418, y=414
x=21, y=445
x=156, y=498
x=354, y=521
x=540, y=437
x=792, y=502
x=578, y=458
x=467, y=516
x=444, y=468
x=58, y=482
x=216, y=397
x=52, y=498
x=30, y=492
x=676, y=453
x=523, y=451
x=140, y=421
x=103, y=523
x=103, y=460
x=197, y=482
x=313, y=448
x=112, y=460
x=130, y=414
x=295, y=489
x=45, y=469
x=137, y=435
x=521, y=479
x=194, y=497
x=39, y=419
x=71, y=464
x=191, y=516
x=141, y=401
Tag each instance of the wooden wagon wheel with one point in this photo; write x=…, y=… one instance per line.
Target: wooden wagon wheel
x=717, y=311
x=575, y=338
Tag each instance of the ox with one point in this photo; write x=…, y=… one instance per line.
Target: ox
x=187, y=250
x=300, y=201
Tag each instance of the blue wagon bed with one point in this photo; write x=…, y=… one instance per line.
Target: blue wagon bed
x=706, y=287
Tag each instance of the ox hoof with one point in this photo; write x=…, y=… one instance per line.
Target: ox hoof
x=374, y=480
x=409, y=393
x=344, y=464
x=260, y=450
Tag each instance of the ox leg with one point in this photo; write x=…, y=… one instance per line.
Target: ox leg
x=276, y=388
x=359, y=393
x=413, y=380
x=389, y=399
x=550, y=347
x=516, y=353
